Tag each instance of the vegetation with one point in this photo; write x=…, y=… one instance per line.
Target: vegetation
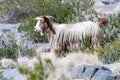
x=33, y=74
x=111, y=51
x=10, y=49
x=63, y=12
x=40, y=71
x=1, y=73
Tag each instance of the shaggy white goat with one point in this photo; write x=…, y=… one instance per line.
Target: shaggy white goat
x=66, y=37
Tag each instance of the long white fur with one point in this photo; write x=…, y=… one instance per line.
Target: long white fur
x=37, y=28
x=73, y=35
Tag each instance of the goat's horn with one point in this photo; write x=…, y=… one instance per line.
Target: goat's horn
x=50, y=17
x=38, y=18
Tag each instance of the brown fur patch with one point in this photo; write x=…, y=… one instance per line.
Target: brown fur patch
x=102, y=20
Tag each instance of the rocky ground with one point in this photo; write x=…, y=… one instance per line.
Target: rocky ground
x=107, y=6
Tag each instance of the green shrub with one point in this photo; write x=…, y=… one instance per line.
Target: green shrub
x=40, y=71
x=111, y=52
x=10, y=49
x=112, y=30
x=33, y=74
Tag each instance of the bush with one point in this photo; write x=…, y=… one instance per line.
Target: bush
x=33, y=74
x=10, y=49
x=42, y=70
x=110, y=53
x=112, y=31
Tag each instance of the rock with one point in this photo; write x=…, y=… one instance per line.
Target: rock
x=106, y=3
x=118, y=77
x=116, y=0
x=8, y=63
x=87, y=72
x=103, y=75
x=6, y=30
x=3, y=78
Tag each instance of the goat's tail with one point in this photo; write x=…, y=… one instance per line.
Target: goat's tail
x=102, y=21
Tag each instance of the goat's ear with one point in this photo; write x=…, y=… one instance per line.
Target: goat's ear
x=48, y=20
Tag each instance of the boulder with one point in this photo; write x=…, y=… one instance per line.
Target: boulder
x=87, y=72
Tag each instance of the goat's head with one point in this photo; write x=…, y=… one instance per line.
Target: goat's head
x=102, y=20
x=44, y=24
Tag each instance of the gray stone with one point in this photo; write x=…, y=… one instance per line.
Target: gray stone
x=87, y=72
x=2, y=78
x=77, y=72
x=103, y=75
x=6, y=30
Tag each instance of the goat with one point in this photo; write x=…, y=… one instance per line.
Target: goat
x=68, y=37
